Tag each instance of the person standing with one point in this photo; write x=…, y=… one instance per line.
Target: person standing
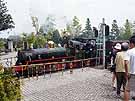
x=130, y=58
x=116, y=49
x=120, y=68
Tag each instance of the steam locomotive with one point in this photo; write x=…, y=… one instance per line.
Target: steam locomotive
x=59, y=54
x=41, y=55
x=34, y=56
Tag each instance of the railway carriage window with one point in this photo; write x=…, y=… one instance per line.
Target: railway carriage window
x=33, y=57
x=59, y=54
x=49, y=55
x=81, y=46
x=29, y=58
x=77, y=47
x=44, y=56
x=39, y=57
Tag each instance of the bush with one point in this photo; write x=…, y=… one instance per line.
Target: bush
x=9, y=86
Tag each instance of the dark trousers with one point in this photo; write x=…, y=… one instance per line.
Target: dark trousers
x=121, y=80
x=132, y=85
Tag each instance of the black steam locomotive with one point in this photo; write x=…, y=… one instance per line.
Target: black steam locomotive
x=85, y=44
x=85, y=47
x=41, y=55
x=31, y=56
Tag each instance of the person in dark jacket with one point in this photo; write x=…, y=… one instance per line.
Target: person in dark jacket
x=116, y=49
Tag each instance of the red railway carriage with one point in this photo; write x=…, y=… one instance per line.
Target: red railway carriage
x=111, y=43
x=109, y=46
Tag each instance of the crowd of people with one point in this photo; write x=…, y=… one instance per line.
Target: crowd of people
x=123, y=68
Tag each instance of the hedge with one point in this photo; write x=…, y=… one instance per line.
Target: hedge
x=9, y=85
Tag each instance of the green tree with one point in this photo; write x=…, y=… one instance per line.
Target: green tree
x=9, y=86
x=63, y=32
x=68, y=28
x=126, y=31
x=41, y=30
x=31, y=40
x=87, y=32
x=56, y=38
x=6, y=21
x=74, y=28
x=1, y=44
x=49, y=36
x=133, y=27
x=40, y=41
x=35, y=24
x=49, y=25
x=115, y=30
x=24, y=37
x=121, y=33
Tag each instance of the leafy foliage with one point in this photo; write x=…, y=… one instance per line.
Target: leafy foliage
x=74, y=28
x=49, y=25
x=115, y=30
x=35, y=23
x=9, y=86
x=126, y=31
x=24, y=37
x=121, y=35
x=133, y=27
x=1, y=44
x=40, y=41
x=31, y=38
x=87, y=32
x=49, y=36
x=56, y=38
x=6, y=21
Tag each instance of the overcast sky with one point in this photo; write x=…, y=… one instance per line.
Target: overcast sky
x=64, y=10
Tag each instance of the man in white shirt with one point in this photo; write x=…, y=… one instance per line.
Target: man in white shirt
x=130, y=58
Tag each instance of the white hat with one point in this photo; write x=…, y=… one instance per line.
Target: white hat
x=118, y=46
x=50, y=42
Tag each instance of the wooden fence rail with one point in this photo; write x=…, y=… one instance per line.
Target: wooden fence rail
x=34, y=70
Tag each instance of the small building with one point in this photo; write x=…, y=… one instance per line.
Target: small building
x=10, y=45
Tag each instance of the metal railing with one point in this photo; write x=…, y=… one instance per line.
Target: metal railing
x=34, y=70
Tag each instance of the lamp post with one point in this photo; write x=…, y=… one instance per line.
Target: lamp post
x=103, y=23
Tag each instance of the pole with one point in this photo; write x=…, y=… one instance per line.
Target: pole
x=103, y=42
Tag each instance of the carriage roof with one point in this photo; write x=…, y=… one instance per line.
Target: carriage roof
x=45, y=50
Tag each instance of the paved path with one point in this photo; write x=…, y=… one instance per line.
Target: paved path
x=89, y=85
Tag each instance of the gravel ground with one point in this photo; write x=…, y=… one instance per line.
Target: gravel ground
x=89, y=85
